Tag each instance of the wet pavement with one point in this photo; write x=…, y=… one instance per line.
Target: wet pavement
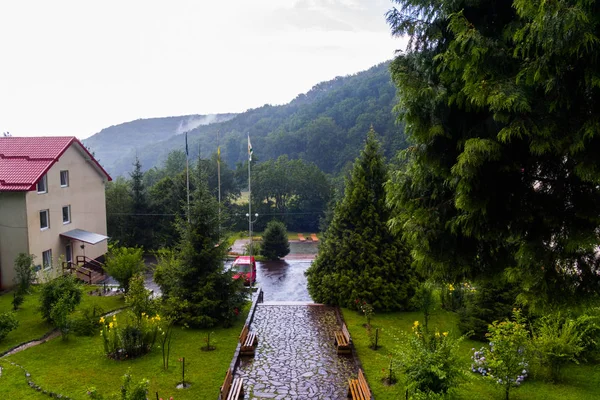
x=295, y=356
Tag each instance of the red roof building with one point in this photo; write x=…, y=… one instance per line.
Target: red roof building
x=52, y=205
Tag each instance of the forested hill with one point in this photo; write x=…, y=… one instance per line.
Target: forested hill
x=117, y=142
x=328, y=126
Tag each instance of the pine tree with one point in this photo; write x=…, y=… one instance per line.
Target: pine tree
x=203, y=294
x=139, y=220
x=275, y=243
x=500, y=100
x=359, y=258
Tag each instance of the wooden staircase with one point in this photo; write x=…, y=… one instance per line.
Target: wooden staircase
x=85, y=269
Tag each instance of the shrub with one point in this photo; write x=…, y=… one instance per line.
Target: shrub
x=86, y=322
x=492, y=301
x=134, y=392
x=589, y=328
x=425, y=300
x=430, y=362
x=129, y=339
x=24, y=272
x=8, y=322
x=275, y=243
x=122, y=263
x=556, y=341
x=138, y=298
x=60, y=315
x=18, y=299
x=505, y=361
x=65, y=287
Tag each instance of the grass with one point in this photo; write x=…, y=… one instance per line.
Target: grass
x=31, y=325
x=580, y=381
x=71, y=367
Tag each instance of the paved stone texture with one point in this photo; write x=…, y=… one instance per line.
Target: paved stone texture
x=295, y=356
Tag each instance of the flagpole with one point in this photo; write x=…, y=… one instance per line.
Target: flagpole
x=219, y=180
x=249, y=197
x=187, y=173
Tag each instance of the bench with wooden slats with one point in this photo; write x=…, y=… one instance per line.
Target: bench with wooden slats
x=248, y=341
x=359, y=388
x=232, y=388
x=342, y=341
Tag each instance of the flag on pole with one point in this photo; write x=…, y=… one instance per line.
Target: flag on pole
x=249, y=149
x=186, y=146
x=219, y=154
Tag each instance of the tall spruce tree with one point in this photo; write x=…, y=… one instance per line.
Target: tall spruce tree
x=203, y=294
x=501, y=100
x=139, y=219
x=359, y=257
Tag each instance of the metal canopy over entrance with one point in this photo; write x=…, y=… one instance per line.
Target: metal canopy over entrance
x=84, y=236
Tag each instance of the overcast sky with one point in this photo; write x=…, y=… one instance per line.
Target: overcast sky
x=75, y=67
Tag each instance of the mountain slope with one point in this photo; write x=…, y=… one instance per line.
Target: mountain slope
x=328, y=125
x=116, y=142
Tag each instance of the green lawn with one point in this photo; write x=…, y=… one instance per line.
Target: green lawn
x=71, y=367
x=580, y=382
x=31, y=325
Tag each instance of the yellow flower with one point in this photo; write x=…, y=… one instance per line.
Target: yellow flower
x=157, y=317
x=416, y=324
x=437, y=334
x=114, y=317
x=451, y=287
x=101, y=320
x=445, y=333
x=110, y=326
x=143, y=314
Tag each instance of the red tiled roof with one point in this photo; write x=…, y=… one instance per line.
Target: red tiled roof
x=24, y=160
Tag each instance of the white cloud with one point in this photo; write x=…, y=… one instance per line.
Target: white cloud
x=74, y=67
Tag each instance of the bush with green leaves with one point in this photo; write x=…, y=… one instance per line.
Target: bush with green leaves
x=488, y=301
x=505, y=361
x=122, y=263
x=8, y=323
x=64, y=287
x=85, y=323
x=430, y=361
x=588, y=325
x=127, y=337
x=136, y=391
x=556, y=341
x=139, y=299
x=24, y=272
x=275, y=243
x=60, y=315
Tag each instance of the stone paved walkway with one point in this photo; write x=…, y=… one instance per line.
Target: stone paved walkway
x=295, y=357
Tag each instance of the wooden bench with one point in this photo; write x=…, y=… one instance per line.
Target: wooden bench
x=248, y=341
x=342, y=341
x=232, y=388
x=359, y=388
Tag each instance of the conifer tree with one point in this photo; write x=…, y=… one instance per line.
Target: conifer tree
x=500, y=100
x=139, y=220
x=203, y=294
x=359, y=258
x=275, y=243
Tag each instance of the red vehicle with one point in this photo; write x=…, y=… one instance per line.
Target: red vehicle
x=244, y=267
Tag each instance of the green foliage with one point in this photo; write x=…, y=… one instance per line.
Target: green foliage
x=556, y=341
x=197, y=291
x=359, y=258
x=507, y=359
x=8, y=322
x=18, y=299
x=502, y=178
x=275, y=243
x=487, y=301
x=430, y=361
x=588, y=326
x=425, y=301
x=59, y=313
x=122, y=263
x=138, y=298
x=24, y=272
x=64, y=289
x=139, y=224
x=129, y=337
x=131, y=391
x=85, y=322
x=119, y=205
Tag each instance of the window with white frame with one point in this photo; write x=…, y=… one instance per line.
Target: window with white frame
x=47, y=259
x=42, y=185
x=44, y=219
x=64, y=178
x=66, y=211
